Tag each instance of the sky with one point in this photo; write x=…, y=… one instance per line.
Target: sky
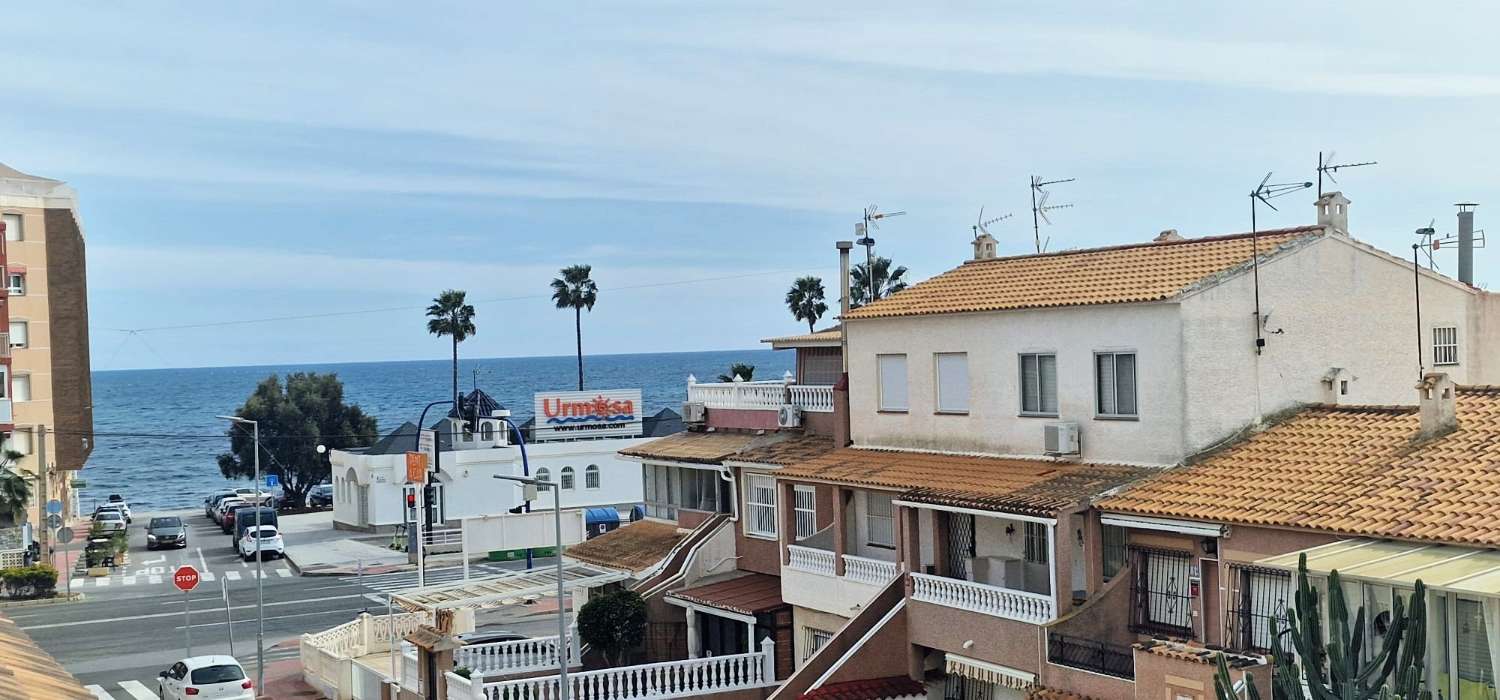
x=344, y=162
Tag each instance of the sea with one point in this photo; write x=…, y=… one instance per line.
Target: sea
x=157, y=438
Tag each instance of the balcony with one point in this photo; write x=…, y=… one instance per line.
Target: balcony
x=515, y=657
x=1021, y=606
x=761, y=396
x=1109, y=659
x=659, y=681
x=811, y=579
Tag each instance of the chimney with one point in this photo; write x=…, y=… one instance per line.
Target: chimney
x=1466, y=242
x=1437, y=399
x=1167, y=236
x=1333, y=211
x=984, y=247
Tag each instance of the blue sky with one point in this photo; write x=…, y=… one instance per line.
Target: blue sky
x=269, y=160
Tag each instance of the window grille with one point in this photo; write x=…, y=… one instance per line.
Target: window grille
x=760, y=505
x=1445, y=345
x=1258, y=598
x=591, y=476
x=1159, y=591
x=1036, y=543
x=806, y=510
x=813, y=639
x=879, y=519
x=567, y=478
x=1114, y=550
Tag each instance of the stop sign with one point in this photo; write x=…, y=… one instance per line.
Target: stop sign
x=185, y=578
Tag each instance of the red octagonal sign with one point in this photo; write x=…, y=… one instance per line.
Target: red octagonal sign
x=185, y=578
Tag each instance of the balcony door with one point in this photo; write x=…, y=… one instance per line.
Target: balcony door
x=960, y=551
x=1162, y=592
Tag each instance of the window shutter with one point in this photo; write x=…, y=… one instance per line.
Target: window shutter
x=1104, y=376
x=892, y=370
x=1047, y=370
x=1029, y=392
x=1125, y=403
x=953, y=381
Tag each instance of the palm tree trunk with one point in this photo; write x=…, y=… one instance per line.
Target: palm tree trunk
x=455, y=374
x=578, y=333
x=810, y=326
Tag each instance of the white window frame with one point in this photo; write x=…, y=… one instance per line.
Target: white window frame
x=887, y=401
x=591, y=476
x=16, y=395
x=880, y=522
x=1041, y=399
x=19, y=234
x=567, y=478
x=542, y=474
x=1036, y=549
x=30, y=447
x=25, y=331
x=1135, y=385
x=813, y=639
x=1444, y=345
x=805, y=505
x=760, y=515
x=15, y=283
x=958, y=404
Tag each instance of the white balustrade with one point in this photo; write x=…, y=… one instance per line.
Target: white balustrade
x=983, y=598
x=671, y=679
x=460, y=688
x=746, y=395
x=812, y=398
x=518, y=656
x=813, y=561
x=871, y=571
x=411, y=673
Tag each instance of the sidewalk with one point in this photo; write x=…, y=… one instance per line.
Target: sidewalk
x=284, y=679
x=315, y=548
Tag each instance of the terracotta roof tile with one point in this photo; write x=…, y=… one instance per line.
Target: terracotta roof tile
x=27, y=672
x=827, y=336
x=1196, y=654
x=750, y=594
x=634, y=547
x=869, y=689
x=701, y=447
x=1120, y=274
x=790, y=451
x=1025, y=486
x=1350, y=470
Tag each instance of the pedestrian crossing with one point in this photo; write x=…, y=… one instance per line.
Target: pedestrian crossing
x=81, y=583
x=404, y=580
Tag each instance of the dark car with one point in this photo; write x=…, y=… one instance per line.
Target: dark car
x=227, y=524
x=243, y=518
x=166, y=532
x=321, y=496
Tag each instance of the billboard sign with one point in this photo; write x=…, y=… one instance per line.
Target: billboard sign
x=569, y=415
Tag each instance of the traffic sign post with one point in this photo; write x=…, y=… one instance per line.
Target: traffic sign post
x=185, y=578
x=54, y=506
x=272, y=481
x=54, y=521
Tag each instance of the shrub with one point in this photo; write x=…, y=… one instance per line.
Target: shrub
x=613, y=622
x=462, y=672
x=35, y=581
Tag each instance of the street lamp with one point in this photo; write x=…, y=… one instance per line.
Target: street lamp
x=530, y=485
x=260, y=622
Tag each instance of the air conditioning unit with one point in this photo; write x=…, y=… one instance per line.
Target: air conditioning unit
x=789, y=416
x=1060, y=438
x=694, y=412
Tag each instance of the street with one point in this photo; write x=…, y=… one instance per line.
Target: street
x=131, y=624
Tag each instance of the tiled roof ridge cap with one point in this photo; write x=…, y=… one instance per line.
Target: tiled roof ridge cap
x=1312, y=228
x=1362, y=408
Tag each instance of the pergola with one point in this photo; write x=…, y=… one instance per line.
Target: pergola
x=504, y=589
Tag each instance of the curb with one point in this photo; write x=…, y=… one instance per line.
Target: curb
x=58, y=599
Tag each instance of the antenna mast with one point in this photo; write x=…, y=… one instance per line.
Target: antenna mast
x=1326, y=166
x=982, y=225
x=1039, y=207
x=1263, y=194
x=872, y=217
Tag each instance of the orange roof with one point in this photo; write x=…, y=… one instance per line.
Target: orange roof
x=1120, y=274
x=27, y=672
x=696, y=446
x=1350, y=470
x=1027, y=486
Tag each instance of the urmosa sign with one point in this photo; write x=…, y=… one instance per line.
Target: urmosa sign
x=565, y=415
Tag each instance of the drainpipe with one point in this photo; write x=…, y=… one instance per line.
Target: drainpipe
x=734, y=493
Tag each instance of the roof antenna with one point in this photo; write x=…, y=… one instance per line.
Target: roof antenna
x=872, y=218
x=1326, y=166
x=1431, y=242
x=1039, y=207
x=1263, y=194
x=981, y=224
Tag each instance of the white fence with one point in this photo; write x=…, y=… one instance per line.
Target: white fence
x=519, y=656
x=813, y=398
x=871, y=571
x=813, y=561
x=671, y=679
x=978, y=597
x=328, y=656
x=767, y=395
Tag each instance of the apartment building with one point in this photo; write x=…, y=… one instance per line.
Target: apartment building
x=46, y=302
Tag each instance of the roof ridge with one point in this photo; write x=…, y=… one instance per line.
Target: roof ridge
x=1155, y=244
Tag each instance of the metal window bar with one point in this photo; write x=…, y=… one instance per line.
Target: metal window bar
x=960, y=544
x=1259, y=597
x=806, y=508
x=1160, y=596
x=1445, y=345
x=956, y=687
x=1090, y=655
x=1114, y=550
x=1036, y=543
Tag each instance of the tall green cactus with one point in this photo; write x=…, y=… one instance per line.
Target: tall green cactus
x=1335, y=671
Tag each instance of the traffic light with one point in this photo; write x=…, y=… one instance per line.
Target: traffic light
x=411, y=499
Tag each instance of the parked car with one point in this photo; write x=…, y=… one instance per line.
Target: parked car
x=109, y=508
x=484, y=637
x=226, y=521
x=270, y=543
x=205, y=678
x=166, y=531
x=245, y=518
x=321, y=496
x=116, y=499
x=110, y=520
x=212, y=502
x=224, y=506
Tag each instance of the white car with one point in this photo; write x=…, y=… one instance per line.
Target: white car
x=270, y=543
x=205, y=678
x=110, y=520
x=224, y=505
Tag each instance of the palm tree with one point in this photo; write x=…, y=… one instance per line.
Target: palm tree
x=574, y=290
x=805, y=299
x=15, y=490
x=450, y=315
x=738, y=369
x=888, y=281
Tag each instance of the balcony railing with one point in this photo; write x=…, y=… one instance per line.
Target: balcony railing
x=519, y=656
x=980, y=597
x=813, y=398
x=766, y=395
x=671, y=679
x=813, y=561
x=872, y=571
x=1100, y=657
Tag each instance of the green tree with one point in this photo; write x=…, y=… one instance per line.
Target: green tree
x=576, y=291
x=613, y=623
x=805, y=299
x=293, y=420
x=888, y=281
x=452, y=316
x=739, y=369
x=15, y=488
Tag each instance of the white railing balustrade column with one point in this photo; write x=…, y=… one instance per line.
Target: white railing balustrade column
x=983, y=598
x=813, y=561
x=813, y=398
x=871, y=571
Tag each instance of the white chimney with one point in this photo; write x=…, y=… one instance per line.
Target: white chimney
x=1437, y=399
x=984, y=247
x=1333, y=211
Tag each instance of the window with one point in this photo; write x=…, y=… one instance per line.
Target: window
x=1259, y=597
x=813, y=639
x=952, y=382
x=1445, y=345
x=668, y=489
x=807, y=511
x=1162, y=601
x=591, y=476
x=1036, y=543
x=18, y=334
x=1039, y=385
x=1114, y=550
x=13, y=230
x=567, y=478
x=760, y=505
x=543, y=475
x=1114, y=381
x=892, y=370
x=16, y=283
x=880, y=520
x=486, y=431
x=20, y=441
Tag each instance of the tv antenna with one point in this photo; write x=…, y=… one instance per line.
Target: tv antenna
x=1040, y=207
x=872, y=218
x=981, y=225
x=1263, y=194
x=1326, y=166
x=1431, y=242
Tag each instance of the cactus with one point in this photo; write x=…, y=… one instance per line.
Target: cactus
x=1335, y=671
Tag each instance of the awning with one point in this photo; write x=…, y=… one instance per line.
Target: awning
x=15, y=268
x=987, y=672
x=505, y=589
x=1441, y=567
x=742, y=597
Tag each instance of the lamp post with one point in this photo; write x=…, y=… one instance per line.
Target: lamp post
x=437, y=460
x=260, y=618
x=530, y=485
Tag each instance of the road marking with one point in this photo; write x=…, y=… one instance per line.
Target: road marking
x=102, y=582
x=76, y=583
x=283, y=573
x=153, y=579
x=137, y=690
x=206, y=576
x=201, y=560
x=148, y=616
x=128, y=581
x=232, y=575
x=98, y=692
x=278, y=617
x=162, y=560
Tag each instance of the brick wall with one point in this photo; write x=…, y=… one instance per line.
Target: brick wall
x=68, y=316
